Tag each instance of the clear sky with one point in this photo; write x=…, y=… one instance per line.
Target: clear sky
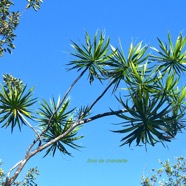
x=42, y=50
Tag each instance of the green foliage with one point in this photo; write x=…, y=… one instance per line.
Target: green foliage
x=15, y=102
x=61, y=121
x=91, y=56
x=15, y=83
x=167, y=175
x=153, y=109
x=119, y=66
x=8, y=23
x=29, y=179
x=2, y=175
x=35, y=4
x=55, y=120
x=9, y=20
x=172, y=58
x=148, y=121
x=155, y=105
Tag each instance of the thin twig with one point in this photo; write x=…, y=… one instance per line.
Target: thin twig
x=102, y=115
x=38, y=135
x=103, y=93
x=8, y=174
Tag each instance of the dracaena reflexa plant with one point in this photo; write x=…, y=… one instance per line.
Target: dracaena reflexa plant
x=150, y=85
x=61, y=121
x=155, y=105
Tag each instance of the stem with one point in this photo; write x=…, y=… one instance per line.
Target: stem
x=23, y=162
x=103, y=93
x=102, y=115
x=74, y=125
x=8, y=174
x=30, y=126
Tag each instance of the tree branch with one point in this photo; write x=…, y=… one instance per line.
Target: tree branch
x=102, y=115
x=8, y=174
x=103, y=93
x=73, y=126
x=38, y=135
x=44, y=146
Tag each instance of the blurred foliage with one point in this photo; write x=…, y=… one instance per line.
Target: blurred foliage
x=35, y=4
x=28, y=180
x=9, y=21
x=168, y=175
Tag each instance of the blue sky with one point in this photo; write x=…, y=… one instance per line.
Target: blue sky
x=42, y=51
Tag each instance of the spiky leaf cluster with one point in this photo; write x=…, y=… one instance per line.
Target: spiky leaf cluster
x=91, y=56
x=56, y=122
x=171, y=57
x=149, y=121
x=119, y=65
x=155, y=105
x=150, y=82
x=15, y=102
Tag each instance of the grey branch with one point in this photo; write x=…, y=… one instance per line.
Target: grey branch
x=22, y=163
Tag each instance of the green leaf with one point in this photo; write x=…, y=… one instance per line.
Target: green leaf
x=61, y=121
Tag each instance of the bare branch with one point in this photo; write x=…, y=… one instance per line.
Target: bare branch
x=38, y=135
x=8, y=174
x=21, y=164
x=103, y=93
x=111, y=113
x=73, y=126
x=44, y=146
